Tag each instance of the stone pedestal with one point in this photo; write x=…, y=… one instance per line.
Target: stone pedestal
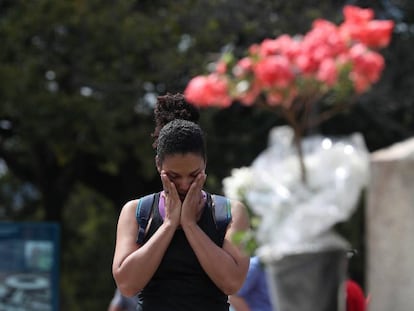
x=390, y=229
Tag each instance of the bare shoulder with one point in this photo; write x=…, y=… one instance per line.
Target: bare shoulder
x=240, y=222
x=129, y=207
x=127, y=215
x=238, y=208
x=127, y=219
x=239, y=214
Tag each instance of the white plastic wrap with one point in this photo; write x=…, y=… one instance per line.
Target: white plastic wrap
x=298, y=217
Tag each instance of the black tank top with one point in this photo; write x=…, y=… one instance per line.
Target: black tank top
x=180, y=283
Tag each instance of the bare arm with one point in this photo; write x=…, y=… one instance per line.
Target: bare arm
x=238, y=303
x=133, y=265
x=226, y=266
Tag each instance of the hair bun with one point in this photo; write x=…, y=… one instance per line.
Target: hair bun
x=171, y=107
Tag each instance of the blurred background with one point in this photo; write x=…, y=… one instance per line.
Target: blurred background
x=78, y=83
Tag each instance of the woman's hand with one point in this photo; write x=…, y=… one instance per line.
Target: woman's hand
x=172, y=201
x=194, y=201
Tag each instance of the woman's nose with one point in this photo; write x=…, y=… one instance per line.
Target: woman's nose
x=184, y=184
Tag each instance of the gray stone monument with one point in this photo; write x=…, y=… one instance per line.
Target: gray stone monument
x=390, y=229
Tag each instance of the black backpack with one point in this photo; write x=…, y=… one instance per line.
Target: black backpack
x=220, y=205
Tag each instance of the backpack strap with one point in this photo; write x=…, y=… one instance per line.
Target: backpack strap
x=221, y=212
x=143, y=212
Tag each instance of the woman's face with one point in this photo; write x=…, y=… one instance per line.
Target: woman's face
x=182, y=169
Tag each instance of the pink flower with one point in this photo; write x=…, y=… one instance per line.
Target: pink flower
x=249, y=96
x=269, y=47
x=254, y=49
x=291, y=74
x=360, y=26
x=283, y=45
x=211, y=90
x=274, y=71
x=356, y=15
x=327, y=72
x=306, y=63
x=221, y=67
x=290, y=71
x=326, y=35
x=367, y=67
x=375, y=34
x=361, y=83
x=367, y=63
x=243, y=67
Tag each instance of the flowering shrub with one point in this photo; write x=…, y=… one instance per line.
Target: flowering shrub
x=329, y=58
x=330, y=64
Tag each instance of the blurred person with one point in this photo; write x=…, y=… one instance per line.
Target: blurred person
x=254, y=294
x=355, y=298
x=122, y=303
x=184, y=262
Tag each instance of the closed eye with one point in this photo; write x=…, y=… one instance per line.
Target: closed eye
x=173, y=176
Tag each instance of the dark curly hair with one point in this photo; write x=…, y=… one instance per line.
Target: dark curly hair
x=176, y=128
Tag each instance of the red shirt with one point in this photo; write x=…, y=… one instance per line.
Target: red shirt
x=355, y=298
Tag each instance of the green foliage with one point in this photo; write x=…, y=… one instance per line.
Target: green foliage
x=89, y=238
x=246, y=240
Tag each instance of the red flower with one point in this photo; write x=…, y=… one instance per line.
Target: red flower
x=249, y=94
x=293, y=73
x=283, y=45
x=274, y=71
x=208, y=90
x=221, y=67
x=356, y=15
x=367, y=67
x=301, y=69
x=243, y=67
x=360, y=26
x=327, y=72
